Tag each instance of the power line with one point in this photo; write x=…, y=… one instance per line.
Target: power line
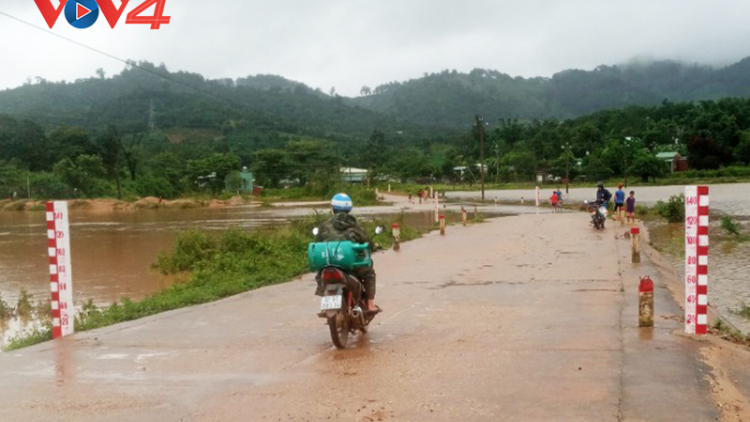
x=127, y=62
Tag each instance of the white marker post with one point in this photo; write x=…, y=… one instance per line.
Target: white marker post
x=538, y=196
x=437, y=207
x=696, y=259
x=61, y=277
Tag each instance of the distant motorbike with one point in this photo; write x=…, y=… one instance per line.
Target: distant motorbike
x=344, y=297
x=598, y=213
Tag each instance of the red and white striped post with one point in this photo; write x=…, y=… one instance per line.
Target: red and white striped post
x=396, y=236
x=61, y=278
x=696, y=259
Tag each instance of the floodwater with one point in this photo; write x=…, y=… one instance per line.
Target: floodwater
x=731, y=199
x=112, y=252
x=728, y=271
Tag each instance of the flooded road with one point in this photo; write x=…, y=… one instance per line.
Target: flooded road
x=731, y=199
x=493, y=322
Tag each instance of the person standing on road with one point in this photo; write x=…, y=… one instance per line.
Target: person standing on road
x=553, y=200
x=559, y=196
x=619, y=201
x=419, y=194
x=630, y=208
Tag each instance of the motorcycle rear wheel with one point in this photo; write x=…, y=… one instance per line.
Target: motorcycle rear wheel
x=339, y=326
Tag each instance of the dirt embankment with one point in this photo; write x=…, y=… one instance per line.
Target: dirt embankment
x=111, y=205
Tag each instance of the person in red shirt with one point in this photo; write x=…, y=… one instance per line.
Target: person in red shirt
x=554, y=200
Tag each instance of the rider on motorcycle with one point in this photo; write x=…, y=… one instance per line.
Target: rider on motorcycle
x=343, y=226
x=603, y=195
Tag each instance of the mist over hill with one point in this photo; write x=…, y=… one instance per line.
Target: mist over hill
x=450, y=98
x=420, y=107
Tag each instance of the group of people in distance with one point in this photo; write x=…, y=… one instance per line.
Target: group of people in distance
x=628, y=204
x=556, y=200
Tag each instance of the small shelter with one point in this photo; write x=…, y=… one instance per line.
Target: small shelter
x=674, y=160
x=354, y=175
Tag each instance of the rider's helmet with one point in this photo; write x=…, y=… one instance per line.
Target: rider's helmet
x=600, y=185
x=341, y=202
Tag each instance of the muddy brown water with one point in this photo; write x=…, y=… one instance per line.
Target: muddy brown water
x=112, y=252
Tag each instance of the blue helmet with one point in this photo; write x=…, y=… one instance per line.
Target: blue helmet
x=341, y=202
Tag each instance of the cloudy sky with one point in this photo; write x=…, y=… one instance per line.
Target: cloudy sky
x=350, y=43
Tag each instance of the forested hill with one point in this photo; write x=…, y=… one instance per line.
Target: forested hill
x=434, y=106
x=451, y=98
x=263, y=106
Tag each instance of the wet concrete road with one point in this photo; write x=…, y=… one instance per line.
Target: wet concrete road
x=528, y=318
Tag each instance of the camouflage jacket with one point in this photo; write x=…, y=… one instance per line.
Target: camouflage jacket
x=342, y=226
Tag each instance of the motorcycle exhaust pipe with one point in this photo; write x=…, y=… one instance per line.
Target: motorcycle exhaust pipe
x=358, y=314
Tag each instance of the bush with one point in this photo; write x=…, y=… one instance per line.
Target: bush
x=154, y=186
x=673, y=210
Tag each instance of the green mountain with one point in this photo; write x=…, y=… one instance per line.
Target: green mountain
x=148, y=95
x=450, y=98
x=417, y=109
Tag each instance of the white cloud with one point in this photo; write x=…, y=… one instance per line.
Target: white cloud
x=350, y=43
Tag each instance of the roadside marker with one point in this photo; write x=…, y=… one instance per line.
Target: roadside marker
x=646, y=302
x=396, y=237
x=61, y=277
x=696, y=259
x=635, y=237
x=437, y=206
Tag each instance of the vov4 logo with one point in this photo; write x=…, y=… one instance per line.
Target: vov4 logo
x=82, y=14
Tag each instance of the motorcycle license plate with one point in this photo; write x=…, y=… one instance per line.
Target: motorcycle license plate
x=331, y=302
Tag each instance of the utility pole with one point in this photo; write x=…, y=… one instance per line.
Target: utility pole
x=151, y=121
x=480, y=121
x=497, y=163
x=566, y=148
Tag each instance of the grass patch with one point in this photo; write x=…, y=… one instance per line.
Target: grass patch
x=39, y=335
x=220, y=265
x=361, y=195
x=727, y=333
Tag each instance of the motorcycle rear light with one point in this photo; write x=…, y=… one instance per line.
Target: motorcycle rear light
x=332, y=275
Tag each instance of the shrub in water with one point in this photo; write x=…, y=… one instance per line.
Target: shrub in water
x=673, y=210
x=730, y=226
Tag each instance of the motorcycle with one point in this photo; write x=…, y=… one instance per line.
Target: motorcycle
x=598, y=213
x=344, y=297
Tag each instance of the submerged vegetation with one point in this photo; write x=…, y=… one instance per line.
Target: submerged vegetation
x=673, y=210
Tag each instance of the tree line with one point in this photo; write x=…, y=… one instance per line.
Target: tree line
x=117, y=161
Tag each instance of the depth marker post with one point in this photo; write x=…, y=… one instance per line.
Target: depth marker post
x=61, y=278
x=696, y=259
